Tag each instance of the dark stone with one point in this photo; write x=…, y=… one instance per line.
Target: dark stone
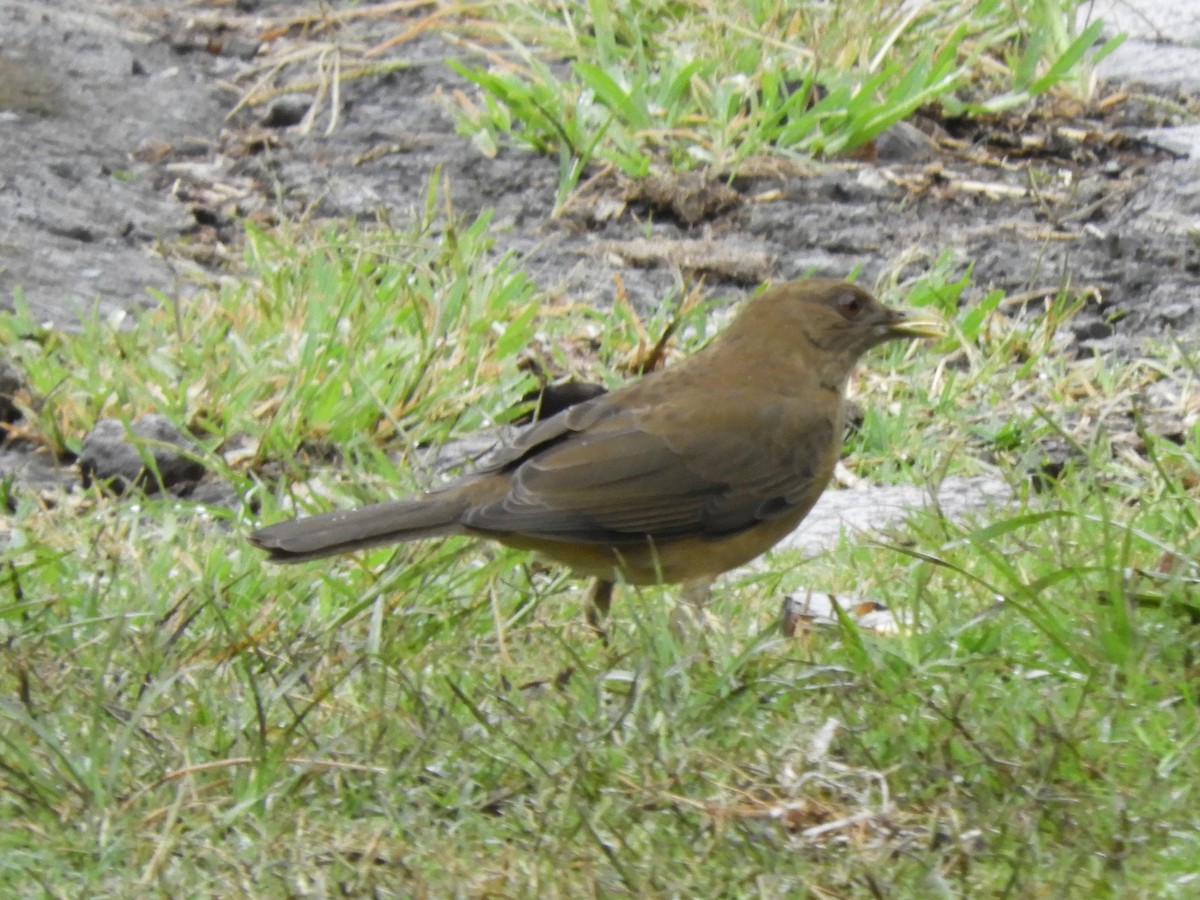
x=288, y=110
x=111, y=455
x=11, y=382
x=552, y=399
x=1094, y=330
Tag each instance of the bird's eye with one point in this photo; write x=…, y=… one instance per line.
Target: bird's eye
x=851, y=305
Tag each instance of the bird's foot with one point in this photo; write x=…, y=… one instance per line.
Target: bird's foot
x=691, y=617
x=596, y=606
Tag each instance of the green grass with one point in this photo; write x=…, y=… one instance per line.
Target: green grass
x=180, y=718
x=684, y=84
x=654, y=86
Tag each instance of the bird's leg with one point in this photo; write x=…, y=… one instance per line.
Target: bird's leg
x=690, y=616
x=599, y=599
x=698, y=592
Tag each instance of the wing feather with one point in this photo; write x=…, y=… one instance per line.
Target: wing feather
x=603, y=473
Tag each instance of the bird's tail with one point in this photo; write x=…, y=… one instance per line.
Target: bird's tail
x=380, y=523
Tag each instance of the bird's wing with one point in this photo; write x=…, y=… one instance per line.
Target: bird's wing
x=606, y=473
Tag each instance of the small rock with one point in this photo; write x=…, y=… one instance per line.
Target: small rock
x=110, y=454
x=903, y=142
x=1181, y=140
x=35, y=470
x=872, y=181
x=1176, y=314
x=215, y=492
x=240, y=46
x=287, y=110
x=11, y=382
x=152, y=151
x=1095, y=330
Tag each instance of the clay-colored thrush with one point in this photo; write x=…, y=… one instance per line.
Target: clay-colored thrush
x=679, y=476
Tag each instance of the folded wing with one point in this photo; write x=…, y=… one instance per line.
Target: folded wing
x=609, y=474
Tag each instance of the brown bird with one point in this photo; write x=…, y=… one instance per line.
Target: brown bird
x=677, y=477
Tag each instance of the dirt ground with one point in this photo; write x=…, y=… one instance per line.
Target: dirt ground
x=122, y=173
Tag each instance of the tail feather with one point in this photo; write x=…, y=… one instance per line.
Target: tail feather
x=313, y=537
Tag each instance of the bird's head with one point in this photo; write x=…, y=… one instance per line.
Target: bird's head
x=840, y=317
x=821, y=326
x=834, y=321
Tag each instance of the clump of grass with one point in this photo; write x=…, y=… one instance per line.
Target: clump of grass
x=690, y=85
